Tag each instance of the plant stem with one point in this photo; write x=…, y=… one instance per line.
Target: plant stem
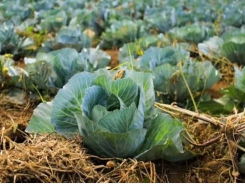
x=188, y=88
x=206, y=143
x=189, y=113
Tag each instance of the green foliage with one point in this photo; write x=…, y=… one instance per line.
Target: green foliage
x=235, y=93
x=241, y=164
x=211, y=47
x=154, y=57
x=191, y=33
x=113, y=118
x=68, y=101
x=5, y=64
x=195, y=76
x=53, y=20
x=68, y=37
x=158, y=19
x=136, y=49
x=35, y=38
x=172, y=79
x=94, y=59
x=163, y=141
x=230, y=46
x=40, y=121
x=9, y=40
x=86, y=18
x=121, y=32
x=233, y=16
x=51, y=71
x=233, y=48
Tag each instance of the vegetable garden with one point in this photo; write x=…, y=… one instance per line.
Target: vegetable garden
x=122, y=91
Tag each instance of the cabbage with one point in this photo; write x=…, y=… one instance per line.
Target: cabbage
x=116, y=118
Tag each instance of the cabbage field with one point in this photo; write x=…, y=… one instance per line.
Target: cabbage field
x=122, y=91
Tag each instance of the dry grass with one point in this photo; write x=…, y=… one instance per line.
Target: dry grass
x=52, y=158
x=215, y=140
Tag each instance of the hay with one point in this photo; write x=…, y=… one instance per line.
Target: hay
x=52, y=158
x=216, y=140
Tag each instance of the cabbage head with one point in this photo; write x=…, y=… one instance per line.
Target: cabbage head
x=114, y=116
x=107, y=113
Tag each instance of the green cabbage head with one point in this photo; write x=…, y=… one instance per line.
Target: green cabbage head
x=115, y=118
x=107, y=113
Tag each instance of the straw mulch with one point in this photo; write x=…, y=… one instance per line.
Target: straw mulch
x=52, y=158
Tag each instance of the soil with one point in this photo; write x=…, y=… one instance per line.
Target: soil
x=52, y=158
x=114, y=57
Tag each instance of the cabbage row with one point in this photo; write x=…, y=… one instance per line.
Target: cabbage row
x=167, y=50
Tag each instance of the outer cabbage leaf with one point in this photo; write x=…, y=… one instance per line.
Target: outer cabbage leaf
x=95, y=59
x=131, y=51
x=104, y=79
x=68, y=101
x=38, y=75
x=9, y=40
x=241, y=164
x=40, y=121
x=191, y=33
x=211, y=47
x=209, y=74
x=65, y=63
x=53, y=20
x=233, y=14
x=196, y=79
x=233, y=48
x=86, y=18
x=155, y=56
x=34, y=76
x=43, y=5
x=159, y=18
x=162, y=74
x=5, y=64
x=170, y=82
x=240, y=79
x=15, y=10
x=122, y=32
x=218, y=106
x=163, y=140
x=68, y=37
x=181, y=17
x=235, y=93
x=123, y=145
